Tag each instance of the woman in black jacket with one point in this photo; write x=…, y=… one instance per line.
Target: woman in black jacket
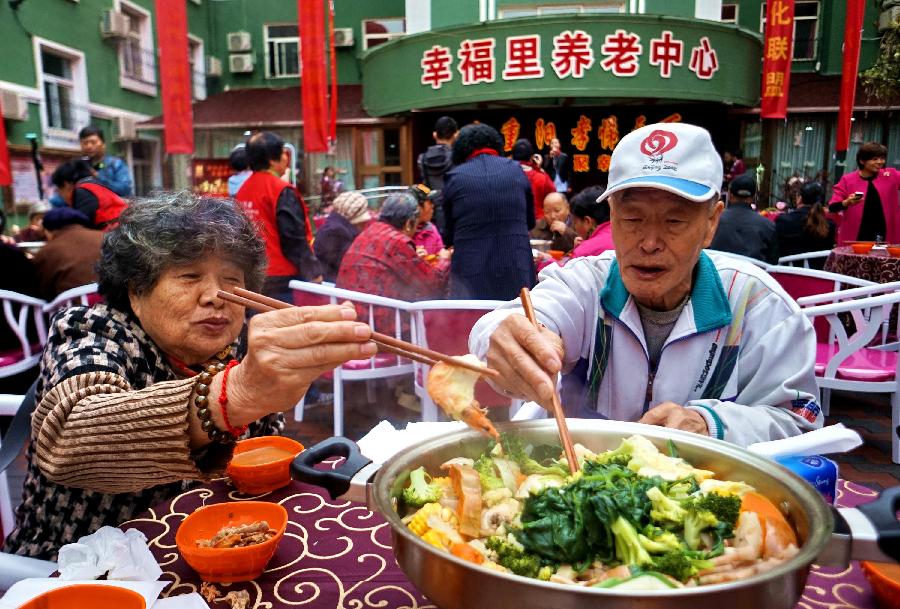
x=805, y=228
x=489, y=210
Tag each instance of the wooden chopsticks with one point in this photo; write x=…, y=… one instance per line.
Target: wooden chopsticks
x=558, y=414
x=263, y=304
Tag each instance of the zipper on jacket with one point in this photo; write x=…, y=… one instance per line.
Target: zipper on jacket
x=651, y=376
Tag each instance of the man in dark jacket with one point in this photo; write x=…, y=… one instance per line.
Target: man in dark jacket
x=742, y=230
x=71, y=253
x=436, y=161
x=558, y=165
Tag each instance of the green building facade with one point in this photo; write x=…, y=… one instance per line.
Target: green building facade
x=69, y=63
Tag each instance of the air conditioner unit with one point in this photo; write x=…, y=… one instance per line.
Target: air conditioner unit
x=238, y=41
x=14, y=105
x=115, y=24
x=124, y=129
x=343, y=37
x=213, y=66
x=240, y=64
x=888, y=17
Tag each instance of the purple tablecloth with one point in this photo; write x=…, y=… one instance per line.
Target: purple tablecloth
x=337, y=554
x=877, y=265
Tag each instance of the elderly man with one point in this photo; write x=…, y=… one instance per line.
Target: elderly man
x=743, y=231
x=661, y=332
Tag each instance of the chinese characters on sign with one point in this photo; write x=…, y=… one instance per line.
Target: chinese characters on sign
x=510, y=130
x=777, y=52
x=571, y=56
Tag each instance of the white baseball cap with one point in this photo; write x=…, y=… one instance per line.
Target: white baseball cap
x=675, y=157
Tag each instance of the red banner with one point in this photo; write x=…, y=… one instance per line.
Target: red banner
x=777, y=53
x=852, y=35
x=314, y=90
x=175, y=76
x=5, y=171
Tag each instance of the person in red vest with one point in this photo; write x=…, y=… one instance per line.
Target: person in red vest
x=541, y=184
x=281, y=216
x=76, y=184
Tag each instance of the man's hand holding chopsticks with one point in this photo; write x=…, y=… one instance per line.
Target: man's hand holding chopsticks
x=528, y=360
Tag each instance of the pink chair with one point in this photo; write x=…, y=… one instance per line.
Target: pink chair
x=858, y=359
x=24, y=315
x=444, y=325
x=383, y=365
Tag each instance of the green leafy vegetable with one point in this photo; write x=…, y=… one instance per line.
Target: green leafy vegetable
x=516, y=559
x=679, y=565
x=490, y=481
x=420, y=491
x=514, y=449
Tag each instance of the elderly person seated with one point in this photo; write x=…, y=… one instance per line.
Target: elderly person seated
x=660, y=331
x=383, y=259
x=70, y=257
x=556, y=225
x=427, y=238
x=591, y=223
x=348, y=217
x=142, y=395
x=35, y=229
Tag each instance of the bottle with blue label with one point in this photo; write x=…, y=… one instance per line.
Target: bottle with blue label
x=819, y=471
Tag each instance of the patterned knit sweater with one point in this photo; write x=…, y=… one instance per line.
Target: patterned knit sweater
x=112, y=417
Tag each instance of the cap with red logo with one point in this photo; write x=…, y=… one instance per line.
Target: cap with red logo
x=675, y=157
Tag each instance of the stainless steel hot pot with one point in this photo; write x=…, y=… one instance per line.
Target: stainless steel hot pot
x=829, y=536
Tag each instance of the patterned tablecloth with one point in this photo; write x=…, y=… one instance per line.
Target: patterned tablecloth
x=338, y=554
x=877, y=265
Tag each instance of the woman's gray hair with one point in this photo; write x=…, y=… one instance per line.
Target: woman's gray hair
x=171, y=230
x=399, y=209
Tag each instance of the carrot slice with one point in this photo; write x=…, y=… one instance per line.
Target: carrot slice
x=771, y=519
x=467, y=552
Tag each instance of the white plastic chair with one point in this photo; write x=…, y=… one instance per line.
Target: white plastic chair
x=383, y=365
x=760, y=263
x=860, y=361
x=444, y=325
x=84, y=295
x=802, y=259
x=9, y=405
x=19, y=313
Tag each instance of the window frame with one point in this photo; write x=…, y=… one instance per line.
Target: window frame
x=146, y=84
x=382, y=37
x=815, y=19
x=279, y=40
x=197, y=62
x=57, y=137
x=737, y=13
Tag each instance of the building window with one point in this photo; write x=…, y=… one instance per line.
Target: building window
x=198, y=66
x=59, y=89
x=612, y=6
x=378, y=31
x=62, y=80
x=729, y=13
x=806, y=28
x=137, y=58
x=282, y=51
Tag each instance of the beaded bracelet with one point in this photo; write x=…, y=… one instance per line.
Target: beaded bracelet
x=201, y=400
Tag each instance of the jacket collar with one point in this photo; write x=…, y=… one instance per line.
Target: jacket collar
x=708, y=302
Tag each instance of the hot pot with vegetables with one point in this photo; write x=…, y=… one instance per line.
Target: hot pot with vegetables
x=654, y=518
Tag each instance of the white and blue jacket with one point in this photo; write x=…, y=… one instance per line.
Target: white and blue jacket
x=741, y=353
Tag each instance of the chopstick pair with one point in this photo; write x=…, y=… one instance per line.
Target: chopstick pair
x=264, y=304
x=558, y=414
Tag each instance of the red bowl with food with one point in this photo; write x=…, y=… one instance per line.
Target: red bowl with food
x=261, y=465
x=885, y=580
x=894, y=251
x=862, y=247
x=209, y=549
x=95, y=596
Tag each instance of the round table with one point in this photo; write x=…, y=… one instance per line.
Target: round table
x=877, y=265
x=337, y=554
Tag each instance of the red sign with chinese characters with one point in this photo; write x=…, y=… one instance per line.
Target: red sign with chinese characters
x=175, y=75
x=314, y=92
x=852, y=36
x=777, y=52
x=5, y=171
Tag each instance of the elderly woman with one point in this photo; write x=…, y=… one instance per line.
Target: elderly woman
x=591, y=223
x=347, y=218
x=427, y=239
x=142, y=395
x=488, y=212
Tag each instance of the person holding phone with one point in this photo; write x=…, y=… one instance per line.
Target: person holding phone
x=875, y=187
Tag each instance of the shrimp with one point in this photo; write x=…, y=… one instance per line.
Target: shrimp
x=453, y=389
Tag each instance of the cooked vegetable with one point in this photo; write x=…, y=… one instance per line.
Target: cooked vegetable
x=514, y=449
x=665, y=510
x=725, y=508
x=490, y=481
x=516, y=559
x=628, y=547
x=467, y=552
x=659, y=541
x=419, y=523
x=647, y=580
x=420, y=491
x=679, y=565
x=777, y=532
x=467, y=488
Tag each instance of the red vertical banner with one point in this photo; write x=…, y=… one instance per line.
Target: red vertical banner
x=777, y=53
x=175, y=76
x=314, y=87
x=5, y=171
x=853, y=25
x=332, y=118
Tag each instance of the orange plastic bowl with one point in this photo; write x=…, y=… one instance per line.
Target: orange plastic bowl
x=557, y=254
x=229, y=564
x=266, y=477
x=95, y=596
x=862, y=248
x=894, y=251
x=885, y=580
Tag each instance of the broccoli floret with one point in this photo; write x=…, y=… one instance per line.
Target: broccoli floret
x=619, y=456
x=665, y=510
x=697, y=521
x=680, y=489
x=726, y=508
x=658, y=541
x=515, y=450
x=490, y=481
x=545, y=573
x=628, y=545
x=419, y=492
x=680, y=566
x=515, y=558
